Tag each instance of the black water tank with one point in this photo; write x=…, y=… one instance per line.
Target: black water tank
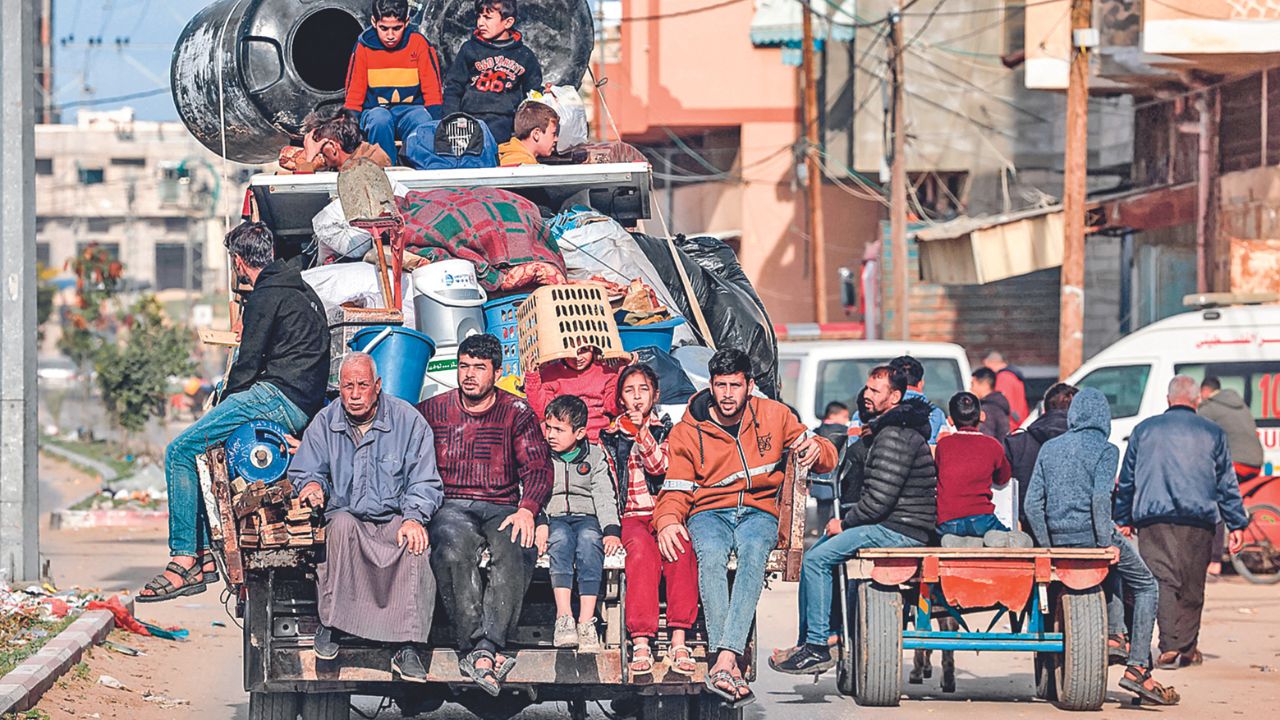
x=281, y=59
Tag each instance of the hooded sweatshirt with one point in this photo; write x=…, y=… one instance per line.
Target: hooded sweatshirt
x=1069, y=497
x=407, y=74
x=489, y=79
x=1227, y=410
x=899, y=480
x=285, y=339
x=709, y=469
x=996, y=408
x=1023, y=447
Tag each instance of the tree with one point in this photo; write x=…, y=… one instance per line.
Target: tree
x=92, y=319
x=133, y=374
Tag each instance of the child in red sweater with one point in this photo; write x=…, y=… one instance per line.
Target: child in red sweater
x=969, y=464
x=588, y=376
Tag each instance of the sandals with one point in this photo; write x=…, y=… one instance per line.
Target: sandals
x=193, y=583
x=485, y=678
x=729, y=696
x=681, y=665
x=504, y=668
x=1138, y=681
x=641, y=664
x=210, y=566
x=1117, y=649
x=743, y=700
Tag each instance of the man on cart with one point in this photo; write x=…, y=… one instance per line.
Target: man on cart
x=280, y=373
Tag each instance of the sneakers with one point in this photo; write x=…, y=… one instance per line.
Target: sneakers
x=408, y=665
x=566, y=634
x=588, y=638
x=808, y=660
x=961, y=541
x=1002, y=539
x=325, y=647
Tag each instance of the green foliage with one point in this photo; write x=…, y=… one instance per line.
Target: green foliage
x=91, y=320
x=134, y=375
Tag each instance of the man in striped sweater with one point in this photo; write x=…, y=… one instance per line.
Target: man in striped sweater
x=496, y=469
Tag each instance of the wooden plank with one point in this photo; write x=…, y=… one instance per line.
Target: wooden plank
x=233, y=563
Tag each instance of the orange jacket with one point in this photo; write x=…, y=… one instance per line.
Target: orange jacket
x=709, y=469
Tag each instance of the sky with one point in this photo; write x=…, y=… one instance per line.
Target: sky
x=86, y=71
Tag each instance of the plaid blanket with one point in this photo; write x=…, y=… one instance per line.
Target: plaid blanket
x=499, y=232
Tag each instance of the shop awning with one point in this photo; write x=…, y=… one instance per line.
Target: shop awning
x=777, y=23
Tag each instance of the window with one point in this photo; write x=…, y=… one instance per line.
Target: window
x=44, y=166
x=175, y=225
x=842, y=379
x=91, y=176
x=789, y=379
x=135, y=162
x=1257, y=382
x=99, y=225
x=42, y=254
x=171, y=259
x=1123, y=385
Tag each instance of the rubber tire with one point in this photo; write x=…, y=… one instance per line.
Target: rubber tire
x=1046, y=665
x=709, y=707
x=846, y=674
x=1237, y=562
x=878, y=645
x=1081, y=674
x=664, y=707
x=326, y=706
x=274, y=705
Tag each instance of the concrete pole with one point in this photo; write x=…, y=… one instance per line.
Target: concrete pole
x=19, y=518
x=1075, y=164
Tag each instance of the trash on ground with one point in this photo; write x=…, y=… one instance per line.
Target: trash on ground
x=112, y=683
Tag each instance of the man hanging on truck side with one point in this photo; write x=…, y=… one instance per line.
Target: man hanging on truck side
x=394, y=78
x=370, y=462
x=720, y=495
x=280, y=373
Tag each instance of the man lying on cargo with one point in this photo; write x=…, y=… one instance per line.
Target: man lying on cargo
x=370, y=462
x=328, y=142
x=496, y=469
x=280, y=373
x=721, y=496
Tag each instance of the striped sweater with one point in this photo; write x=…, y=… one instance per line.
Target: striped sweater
x=405, y=75
x=497, y=456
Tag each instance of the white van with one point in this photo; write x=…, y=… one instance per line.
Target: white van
x=814, y=373
x=1240, y=345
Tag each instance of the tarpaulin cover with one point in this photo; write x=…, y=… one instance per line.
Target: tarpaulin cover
x=735, y=315
x=499, y=232
x=674, y=386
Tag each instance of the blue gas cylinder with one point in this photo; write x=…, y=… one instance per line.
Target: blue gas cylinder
x=257, y=451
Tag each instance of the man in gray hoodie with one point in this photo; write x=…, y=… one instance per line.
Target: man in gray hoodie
x=1068, y=504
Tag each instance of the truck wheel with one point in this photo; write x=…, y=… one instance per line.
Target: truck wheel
x=878, y=645
x=1046, y=676
x=664, y=707
x=1081, y=673
x=710, y=708
x=274, y=706
x=846, y=670
x=326, y=706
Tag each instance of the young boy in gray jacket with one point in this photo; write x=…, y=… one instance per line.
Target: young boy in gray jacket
x=582, y=521
x=1068, y=504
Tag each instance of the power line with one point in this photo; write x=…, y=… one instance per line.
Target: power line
x=980, y=11
x=108, y=100
x=681, y=13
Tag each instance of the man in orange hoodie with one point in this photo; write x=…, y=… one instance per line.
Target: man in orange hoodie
x=720, y=496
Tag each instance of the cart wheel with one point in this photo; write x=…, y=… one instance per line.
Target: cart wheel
x=1046, y=676
x=878, y=645
x=1259, y=553
x=1081, y=673
x=709, y=707
x=273, y=705
x=326, y=706
x=845, y=670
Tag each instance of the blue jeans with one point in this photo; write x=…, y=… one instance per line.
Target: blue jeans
x=1132, y=575
x=751, y=535
x=382, y=125
x=972, y=526
x=575, y=541
x=820, y=562
x=188, y=524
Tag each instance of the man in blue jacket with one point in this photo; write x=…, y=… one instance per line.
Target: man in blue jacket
x=1175, y=483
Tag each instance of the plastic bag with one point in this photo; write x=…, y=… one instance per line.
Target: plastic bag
x=335, y=236
x=339, y=283
x=674, y=385
x=567, y=103
x=734, y=313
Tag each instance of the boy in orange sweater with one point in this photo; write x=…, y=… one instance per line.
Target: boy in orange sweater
x=537, y=129
x=393, y=80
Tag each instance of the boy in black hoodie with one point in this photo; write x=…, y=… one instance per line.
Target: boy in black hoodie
x=494, y=71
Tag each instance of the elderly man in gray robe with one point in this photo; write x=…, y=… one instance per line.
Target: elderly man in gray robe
x=370, y=462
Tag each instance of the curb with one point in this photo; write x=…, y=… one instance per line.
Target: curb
x=82, y=519
x=22, y=688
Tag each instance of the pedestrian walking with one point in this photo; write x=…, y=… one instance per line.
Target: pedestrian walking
x=996, y=411
x=1009, y=382
x=1175, y=482
x=1228, y=411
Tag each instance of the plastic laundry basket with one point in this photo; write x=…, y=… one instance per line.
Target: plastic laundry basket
x=500, y=321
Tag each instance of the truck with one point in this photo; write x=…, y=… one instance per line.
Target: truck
x=274, y=589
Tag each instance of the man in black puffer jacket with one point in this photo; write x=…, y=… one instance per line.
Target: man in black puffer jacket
x=896, y=507
x=1023, y=447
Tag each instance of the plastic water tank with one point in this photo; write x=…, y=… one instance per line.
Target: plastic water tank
x=449, y=305
x=275, y=60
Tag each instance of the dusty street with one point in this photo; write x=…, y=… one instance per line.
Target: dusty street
x=1241, y=640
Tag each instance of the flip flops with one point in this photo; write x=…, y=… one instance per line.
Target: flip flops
x=729, y=696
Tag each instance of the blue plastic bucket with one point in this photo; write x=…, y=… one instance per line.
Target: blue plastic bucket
x=500, y=321
x=659, y=334
x=401, y=354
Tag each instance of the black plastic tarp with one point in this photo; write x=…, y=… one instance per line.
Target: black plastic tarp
x=674, y=386
x=735, y=314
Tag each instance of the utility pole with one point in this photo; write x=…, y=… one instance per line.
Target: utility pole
x=1075, y=168
x=813, y=170
x=901, y=328
x=19, y=486
x=601, y=48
